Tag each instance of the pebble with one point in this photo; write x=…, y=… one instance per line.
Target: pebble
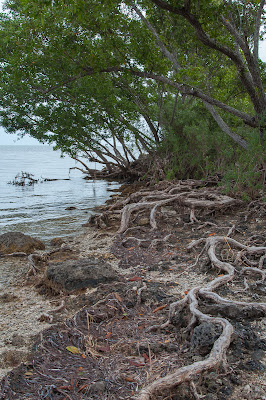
x=98, y=386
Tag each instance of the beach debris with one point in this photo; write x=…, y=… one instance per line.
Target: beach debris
x=27, y=179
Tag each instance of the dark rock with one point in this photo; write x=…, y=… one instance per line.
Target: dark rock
x=71, y=208
x=13, y=242
x=86, y=224
x=203, y=338
x=56, y=242
x=252, y=365
x=258, y=355
x=226, y=390
x=80, y=274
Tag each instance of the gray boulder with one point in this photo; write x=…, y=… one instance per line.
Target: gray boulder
x=73, y=275
x=13, y=242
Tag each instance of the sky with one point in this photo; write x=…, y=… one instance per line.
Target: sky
x=11, y=139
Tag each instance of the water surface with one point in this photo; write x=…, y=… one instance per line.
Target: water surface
x=40, y=210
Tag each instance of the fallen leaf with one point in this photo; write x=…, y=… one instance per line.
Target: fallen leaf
x=221, y=275
x=65, y=387
x=28, y=373
x=212, y=234
x=82, y=387
x=136, y=364
x=159, y=308
x=186, y=291
x=83, y=355
x=147, y=358
x=129, y=378
x=108, y=334
x=73, y=349
x=134, y=278
x=131, y=248
x=80, y=368
x=118, y=297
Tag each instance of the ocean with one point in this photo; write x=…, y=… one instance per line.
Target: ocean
x=39, y=210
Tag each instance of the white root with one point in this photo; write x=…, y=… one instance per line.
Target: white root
x=144, y=242
x=261, y=262
x=140, y=290
x=217, y=355
x=200, y=199
x=49, y=318
x=192, y=216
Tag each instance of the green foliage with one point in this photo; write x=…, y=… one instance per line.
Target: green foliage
x=87, y=75
x=191, y=142
x=195, y=148
x=245, y=176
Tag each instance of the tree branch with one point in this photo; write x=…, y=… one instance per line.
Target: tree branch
x=224, y=127
x=185, y=89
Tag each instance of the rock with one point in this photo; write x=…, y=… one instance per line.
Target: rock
x=13, y=242
x=203, y=338
x=71, y=208
x=57, y=242
x=80, y=274
x=18, y=340
x=144, y=221
x=12, y=358
x=98, y=387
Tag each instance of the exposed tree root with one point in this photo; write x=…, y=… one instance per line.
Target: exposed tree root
x=181, y=195
x=192, y=200
x=217, y=356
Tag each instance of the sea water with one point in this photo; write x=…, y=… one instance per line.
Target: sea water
x=39, y=210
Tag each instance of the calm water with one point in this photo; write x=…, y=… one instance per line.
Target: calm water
x=40, y=210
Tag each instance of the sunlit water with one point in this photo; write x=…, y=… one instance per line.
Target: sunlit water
x=40, y=210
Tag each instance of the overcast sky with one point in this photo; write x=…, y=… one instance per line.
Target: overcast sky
x=8, y=139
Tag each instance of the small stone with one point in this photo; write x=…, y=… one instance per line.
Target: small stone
x=98, y=387
x=56, y=242
x=144, y=221
x=71, y=208
x=226, y=390
x=17, y=340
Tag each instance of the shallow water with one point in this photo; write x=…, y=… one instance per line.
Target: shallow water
x=40, y=210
